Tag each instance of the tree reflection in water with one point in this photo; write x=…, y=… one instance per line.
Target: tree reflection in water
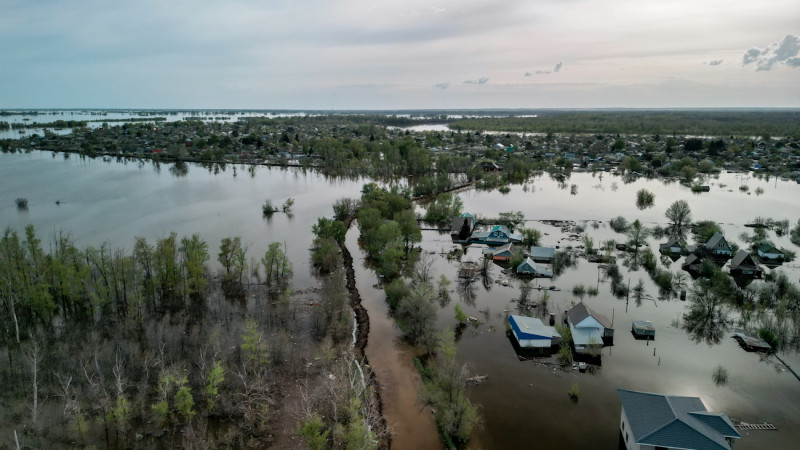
x=466, y=291
x=707, y=320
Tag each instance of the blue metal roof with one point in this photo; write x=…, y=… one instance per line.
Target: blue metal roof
x=530, y=328
x=675, y=422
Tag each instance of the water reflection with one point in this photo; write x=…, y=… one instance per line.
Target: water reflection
x=179, y=169
x=708, y=318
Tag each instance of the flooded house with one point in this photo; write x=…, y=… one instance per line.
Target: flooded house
x=672, y=422
x=502, y=253
x=589, y=328
x=768, y=253
x=672, y=246
x=498, y=235
x=530, y=332
x=693, y=264
x=461, y=228
x=743, y=265
x=542, y=254
x=489, y=166
x=718, y=247
x=532, y=269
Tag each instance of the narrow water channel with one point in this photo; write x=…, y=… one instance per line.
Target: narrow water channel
x=412, y=426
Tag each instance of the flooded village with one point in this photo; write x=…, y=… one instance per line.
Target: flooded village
x=585, y=290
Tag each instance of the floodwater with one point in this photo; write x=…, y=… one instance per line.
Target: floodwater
x=95, y=118
x=106, y=201
x=523, y=403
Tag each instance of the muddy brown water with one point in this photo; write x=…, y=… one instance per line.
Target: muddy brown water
x=523, y=403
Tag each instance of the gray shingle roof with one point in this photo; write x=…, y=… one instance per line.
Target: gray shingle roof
x=715, y=240
x=675, y=422
x=742, y=258
x=582, y=311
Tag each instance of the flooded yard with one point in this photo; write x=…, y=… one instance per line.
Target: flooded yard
x=524, y=403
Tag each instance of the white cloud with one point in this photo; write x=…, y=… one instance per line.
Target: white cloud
x=783, y=52
x=444, y=85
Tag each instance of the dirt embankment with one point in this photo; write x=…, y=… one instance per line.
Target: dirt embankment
x=362, y=332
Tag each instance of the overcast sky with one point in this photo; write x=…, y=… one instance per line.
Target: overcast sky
x=390, y=54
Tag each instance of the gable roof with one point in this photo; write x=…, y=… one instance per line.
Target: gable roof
x=542, y=252
x=532, y=328
x=675, y=422
x=766, y=247
x=742, y=258
x=715, y=240
x=672, y=242
x=581, y=311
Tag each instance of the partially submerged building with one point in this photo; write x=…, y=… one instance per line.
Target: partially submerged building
x=543, y=254
x=498, y=235
x=589, y=329
x=461, y=228
x=502, y=253
x=530, y=332
x=717, y=246
x=672, y=246
x=769, y=253
x=656, y=421
x=532, y=269
x=743, y=265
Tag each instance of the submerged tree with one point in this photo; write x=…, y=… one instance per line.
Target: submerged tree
x=680, y=216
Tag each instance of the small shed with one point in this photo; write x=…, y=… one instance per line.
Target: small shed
x=530, y=268
x=644, y=329
x=530, y=332
x=543, y=254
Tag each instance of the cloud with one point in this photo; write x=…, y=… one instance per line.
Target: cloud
x=483, y=80
x=783, y=52
x=542, y=72
x=444, y=85
x=527, y=74
x=714, y=62
x=557, y=68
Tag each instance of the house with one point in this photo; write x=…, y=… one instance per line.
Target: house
x=489, y=166
x=530, y=332
x=461, y=227
x=693, y=263
x=543, y=254
x=498, y=235
x=768, y=252
x=743, y=265
x=588, y=328
x=530, y=268
x=672, y=246
x=672, y=422
x=503, y=253
x=718, y=246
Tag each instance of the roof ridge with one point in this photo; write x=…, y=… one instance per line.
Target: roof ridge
x=663, y=426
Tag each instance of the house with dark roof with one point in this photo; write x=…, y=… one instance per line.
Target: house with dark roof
x=693, y=264
x=461, y=227
x=717, y=246
x=743, y=265
x=656, y=421
x=769, y=253
x=489, y=166
x=588, y=328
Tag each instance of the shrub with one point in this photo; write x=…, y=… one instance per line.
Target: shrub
x=268, y=209
x=573, y=393
x=618, y=224
x=395, y=292
x=22, y=203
